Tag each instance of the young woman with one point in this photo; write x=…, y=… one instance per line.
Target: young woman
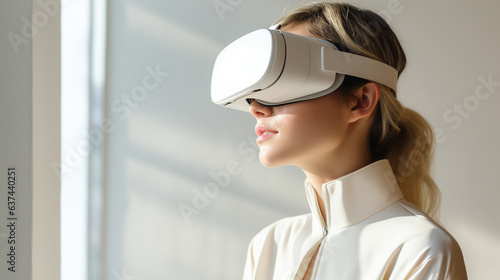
x=367, y=161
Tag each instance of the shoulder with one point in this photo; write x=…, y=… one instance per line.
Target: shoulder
x=404, y=223
x=421, y=228
x=422, y=245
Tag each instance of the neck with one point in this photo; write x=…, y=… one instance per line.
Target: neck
x=328, y=169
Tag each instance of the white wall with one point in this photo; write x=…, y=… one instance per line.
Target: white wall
x=167, y=140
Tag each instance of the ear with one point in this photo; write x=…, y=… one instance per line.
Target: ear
x=367, y=98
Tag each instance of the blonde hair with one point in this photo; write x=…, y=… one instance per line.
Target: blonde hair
x=398, y=134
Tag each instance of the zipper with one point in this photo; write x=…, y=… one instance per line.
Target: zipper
x=307, y=258
x=326, y=203
x=325, y=231
x=318, y=255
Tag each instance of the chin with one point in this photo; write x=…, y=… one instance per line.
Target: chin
x=269, y=162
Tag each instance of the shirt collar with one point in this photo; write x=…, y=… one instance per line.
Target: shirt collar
x=356, y=196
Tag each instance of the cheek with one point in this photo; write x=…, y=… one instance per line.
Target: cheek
x=302, y=128
x=312, y=131
x=320, y=131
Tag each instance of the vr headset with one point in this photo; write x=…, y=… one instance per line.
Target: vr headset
x=275, y=68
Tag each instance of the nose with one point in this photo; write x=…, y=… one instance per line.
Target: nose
x=258, y=110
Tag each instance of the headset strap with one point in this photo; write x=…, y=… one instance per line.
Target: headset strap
x=359, y=66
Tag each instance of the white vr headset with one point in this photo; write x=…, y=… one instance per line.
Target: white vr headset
x=276, y=68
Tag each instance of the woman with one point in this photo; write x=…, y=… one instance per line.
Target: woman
x=367, y=160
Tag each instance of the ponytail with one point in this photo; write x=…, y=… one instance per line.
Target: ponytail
x=407, y=141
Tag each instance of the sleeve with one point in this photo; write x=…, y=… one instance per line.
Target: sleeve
x=439, y=268
x=249, y=271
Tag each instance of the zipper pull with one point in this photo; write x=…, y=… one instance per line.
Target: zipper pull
x=325, y=231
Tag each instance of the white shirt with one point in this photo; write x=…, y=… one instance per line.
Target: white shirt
x=370, y=232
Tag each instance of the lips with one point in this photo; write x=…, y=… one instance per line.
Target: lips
x=264, y=133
